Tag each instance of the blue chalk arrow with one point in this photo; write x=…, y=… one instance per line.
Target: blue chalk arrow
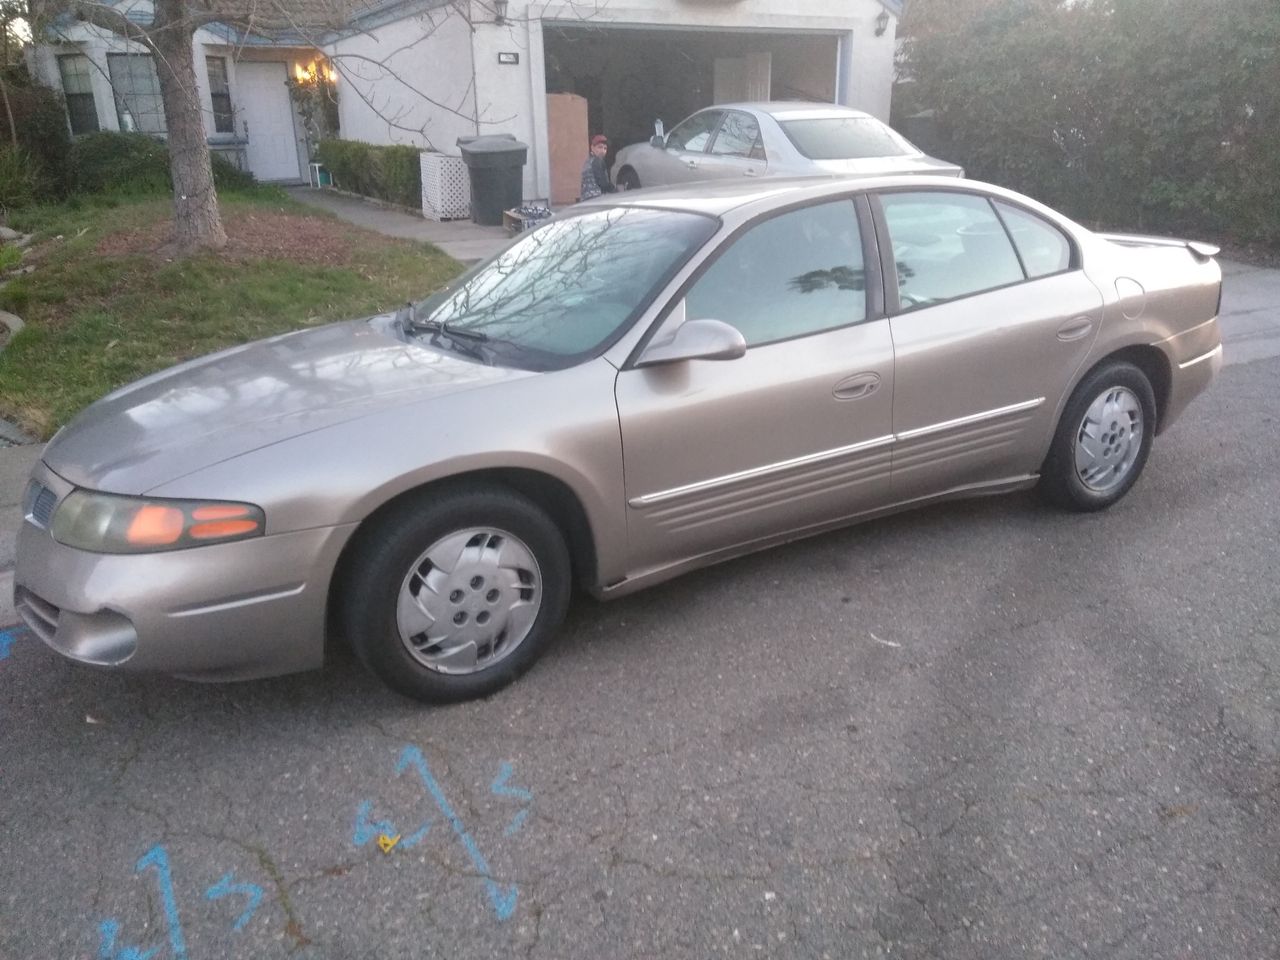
x=503, y=899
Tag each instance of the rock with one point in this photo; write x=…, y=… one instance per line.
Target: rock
x=23, y=241
x=8, y=234
x=12, y=321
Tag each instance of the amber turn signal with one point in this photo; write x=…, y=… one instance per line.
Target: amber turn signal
x=154, y=525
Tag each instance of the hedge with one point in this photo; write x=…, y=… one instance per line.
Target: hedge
x=136, y=163
x=1157, y=115
x=386, y=173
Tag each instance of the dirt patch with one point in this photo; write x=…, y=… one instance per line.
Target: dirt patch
x=255, y=235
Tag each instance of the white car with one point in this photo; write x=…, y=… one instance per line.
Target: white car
x=734, y=140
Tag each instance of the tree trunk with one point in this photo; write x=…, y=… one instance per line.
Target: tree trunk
x=197, y=224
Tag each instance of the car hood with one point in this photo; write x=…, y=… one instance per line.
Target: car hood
x=888, y=166
x=217, y=407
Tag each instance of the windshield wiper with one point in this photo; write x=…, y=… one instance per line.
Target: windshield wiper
x=466, y=342
x=438, y=327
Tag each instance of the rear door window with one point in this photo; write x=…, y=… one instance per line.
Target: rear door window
x=695, y=133
x=947, y=245
x=738, y=136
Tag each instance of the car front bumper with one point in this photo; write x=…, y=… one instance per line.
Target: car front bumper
x=232, y=611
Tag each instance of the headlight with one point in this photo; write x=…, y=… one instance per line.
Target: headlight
x=105, y=523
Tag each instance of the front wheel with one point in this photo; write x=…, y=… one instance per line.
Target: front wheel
x=453, y=595
x=628, y=179
x=1103, y=439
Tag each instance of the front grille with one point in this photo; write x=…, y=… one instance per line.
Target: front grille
x=38, y=614
x=38, y=504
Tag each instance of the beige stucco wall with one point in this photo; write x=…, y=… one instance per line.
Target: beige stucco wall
x=389, y=76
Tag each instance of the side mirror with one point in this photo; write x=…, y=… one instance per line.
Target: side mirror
x=696, y=340
x=659, y=138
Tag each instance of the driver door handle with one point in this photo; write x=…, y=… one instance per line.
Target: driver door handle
x=857, y=386
x=692, y=164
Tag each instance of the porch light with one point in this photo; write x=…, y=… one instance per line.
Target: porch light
x=500, y=11
x=882, y=23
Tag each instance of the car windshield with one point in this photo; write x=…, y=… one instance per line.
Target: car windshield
x=846, y=138
x=567, y=290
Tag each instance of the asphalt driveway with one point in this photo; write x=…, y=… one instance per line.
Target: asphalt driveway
x=982, y=730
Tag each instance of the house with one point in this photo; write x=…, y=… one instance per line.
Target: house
x=110, y=83
x=426, y=72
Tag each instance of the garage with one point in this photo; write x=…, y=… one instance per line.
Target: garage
x=630, y=76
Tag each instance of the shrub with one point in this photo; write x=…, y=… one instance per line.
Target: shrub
x=132, y=163
x=1156, y=115
x=40, y=118
x=21, y=179
x=391, y=173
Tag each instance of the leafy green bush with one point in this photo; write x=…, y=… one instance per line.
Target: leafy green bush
x=1156, y=115
x=391, y=173
x=134, y=163
x=21, y=179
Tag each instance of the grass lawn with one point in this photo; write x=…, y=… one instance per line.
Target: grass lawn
x=106, y=305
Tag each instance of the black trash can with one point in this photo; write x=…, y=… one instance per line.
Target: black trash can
x=495, y=164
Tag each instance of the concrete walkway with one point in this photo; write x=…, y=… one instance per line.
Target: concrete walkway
x=460, y=239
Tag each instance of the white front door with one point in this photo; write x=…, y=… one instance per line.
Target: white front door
x=266, y=115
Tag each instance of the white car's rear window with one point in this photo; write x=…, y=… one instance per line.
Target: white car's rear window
x=846, y=138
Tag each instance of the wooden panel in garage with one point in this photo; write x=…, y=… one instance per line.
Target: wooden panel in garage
x=568, y=143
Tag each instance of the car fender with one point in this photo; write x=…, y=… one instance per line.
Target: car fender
x=343, y=474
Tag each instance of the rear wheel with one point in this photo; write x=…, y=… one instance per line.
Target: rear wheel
x=454, y=595
x=627, y=180
x=1103, y=439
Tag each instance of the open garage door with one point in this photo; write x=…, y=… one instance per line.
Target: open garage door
x=630, y=76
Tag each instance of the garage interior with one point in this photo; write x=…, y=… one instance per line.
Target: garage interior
x=631, y=76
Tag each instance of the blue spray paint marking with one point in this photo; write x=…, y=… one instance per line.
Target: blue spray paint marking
x=499, y=788
x=109, y=931
x=7, y=639
x=158, y=858
x=367, y=830
x=225, y=888
x=502, y=899
x=516, y=823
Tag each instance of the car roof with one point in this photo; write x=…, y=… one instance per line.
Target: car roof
x=720, y=197
x=793, y=109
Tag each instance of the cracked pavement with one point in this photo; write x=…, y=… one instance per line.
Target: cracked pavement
x=1070, y=750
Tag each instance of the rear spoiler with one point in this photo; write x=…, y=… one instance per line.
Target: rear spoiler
x=1203, y=252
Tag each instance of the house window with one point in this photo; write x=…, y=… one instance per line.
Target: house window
x=77, y=87
x=137, y=90
x=220, y=95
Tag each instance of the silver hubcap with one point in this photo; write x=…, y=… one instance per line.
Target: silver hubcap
x=469, y=601
x=1109, y=439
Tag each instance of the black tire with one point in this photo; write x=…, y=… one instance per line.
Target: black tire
x=386, y=552
x=1061, y=483
x=628, y=179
